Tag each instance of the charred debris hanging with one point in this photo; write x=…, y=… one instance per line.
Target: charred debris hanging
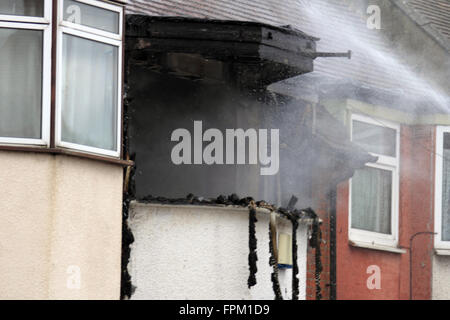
x=291, y=214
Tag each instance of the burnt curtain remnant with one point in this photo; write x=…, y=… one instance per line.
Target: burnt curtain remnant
x=316, y=240
x=274, y=264
x=295, y=281
x=252, y=243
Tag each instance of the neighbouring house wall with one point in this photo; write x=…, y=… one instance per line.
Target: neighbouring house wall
x=415, y=215
x=441, y=277
x=352, y=262
x=59, y=214
x=417, y=161
x=200, y=252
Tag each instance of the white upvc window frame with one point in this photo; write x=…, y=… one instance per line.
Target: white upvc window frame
x=44, y=24
x=91, y=30
x=438, y=242
x=46, y=19
x=74, y=29
x=387, y=163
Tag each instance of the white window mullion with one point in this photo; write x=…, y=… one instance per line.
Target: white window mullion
x=87, y=35
x=92, y=30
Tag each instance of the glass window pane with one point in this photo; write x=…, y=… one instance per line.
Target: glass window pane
x=33, y=8
x=371, y=200
x=376, y=139
x=20, y=83
x=91, y=16
x=446, y=189
x=89, y=93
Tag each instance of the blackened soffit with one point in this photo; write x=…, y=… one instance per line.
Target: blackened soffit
x=266, y=52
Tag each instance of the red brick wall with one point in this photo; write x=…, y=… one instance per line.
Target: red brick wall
x=417, y=205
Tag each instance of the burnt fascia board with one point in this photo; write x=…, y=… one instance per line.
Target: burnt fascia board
x=228, y=51
x=217, y=50
x=287, y=58
x=143, y=25
x=288, y=41
x=224, y=39
x=235, y=33
x=284, y=64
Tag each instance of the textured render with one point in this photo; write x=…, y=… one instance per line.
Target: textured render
x=441, y=275
x=58, y=213
x=184, y=252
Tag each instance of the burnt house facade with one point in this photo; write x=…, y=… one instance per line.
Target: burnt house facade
x=391, y=99
x=172, y=149
x=193, y=85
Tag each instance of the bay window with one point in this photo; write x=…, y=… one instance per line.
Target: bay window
x=87, y=75
x=373, y=217
x=442, y=189
x=25, y=50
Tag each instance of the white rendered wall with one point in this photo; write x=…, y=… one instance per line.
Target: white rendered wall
x=199, y=252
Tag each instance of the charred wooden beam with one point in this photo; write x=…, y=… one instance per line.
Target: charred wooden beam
x=262, y=53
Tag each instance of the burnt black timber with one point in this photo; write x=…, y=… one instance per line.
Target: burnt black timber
x=221, y=31
x=269, y=36
x=279, y=52
x=139, y=26
x=226, y=51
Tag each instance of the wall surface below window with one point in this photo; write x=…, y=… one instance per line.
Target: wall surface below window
x=60, y=236
x=441, y=278
x=199, y=252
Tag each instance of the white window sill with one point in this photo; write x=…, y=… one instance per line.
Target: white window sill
x=372, y=246
x=442, y=252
